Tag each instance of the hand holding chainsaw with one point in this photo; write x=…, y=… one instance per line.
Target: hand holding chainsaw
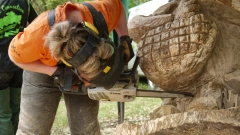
x=65, y=78
x=128, y=53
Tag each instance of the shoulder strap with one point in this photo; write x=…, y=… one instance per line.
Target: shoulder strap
x=51, y=18
x=98, y=20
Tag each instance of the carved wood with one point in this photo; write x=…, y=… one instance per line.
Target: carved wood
x=192, y=46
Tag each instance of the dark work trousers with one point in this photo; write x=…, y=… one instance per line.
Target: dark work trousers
x=39, y=103
x=11, y=79
x=10, y=91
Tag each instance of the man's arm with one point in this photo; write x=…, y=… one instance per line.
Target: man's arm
x=121, y=27
x=122, y=31
x=36, y=66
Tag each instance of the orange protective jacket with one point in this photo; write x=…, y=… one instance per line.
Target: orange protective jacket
x=28, y=46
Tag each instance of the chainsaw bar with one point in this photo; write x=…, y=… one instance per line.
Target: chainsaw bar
x=161, y=94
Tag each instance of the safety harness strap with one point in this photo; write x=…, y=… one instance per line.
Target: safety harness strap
x=98, y=20
x=51, y=18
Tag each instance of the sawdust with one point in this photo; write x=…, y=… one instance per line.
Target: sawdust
x=203, y=128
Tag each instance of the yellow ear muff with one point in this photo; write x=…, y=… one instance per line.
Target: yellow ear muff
x=92, y=27
x=65, y=62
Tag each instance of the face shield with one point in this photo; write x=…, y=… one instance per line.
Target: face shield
x=111, y=68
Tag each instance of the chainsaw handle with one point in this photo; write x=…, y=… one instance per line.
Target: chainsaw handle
x=135, y=65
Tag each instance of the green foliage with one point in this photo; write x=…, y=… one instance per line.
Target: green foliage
x=133, y=3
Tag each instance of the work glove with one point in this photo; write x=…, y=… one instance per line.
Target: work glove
x=128, y=53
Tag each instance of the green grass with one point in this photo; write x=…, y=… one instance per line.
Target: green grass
x=141, y=107
x=135, y=111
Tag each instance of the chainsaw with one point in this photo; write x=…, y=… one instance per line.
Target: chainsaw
x=124, y=90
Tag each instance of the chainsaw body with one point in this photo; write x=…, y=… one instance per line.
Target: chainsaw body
x=118, y=93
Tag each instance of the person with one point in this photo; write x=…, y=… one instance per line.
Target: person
x=44, y=51
x=14, y=16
